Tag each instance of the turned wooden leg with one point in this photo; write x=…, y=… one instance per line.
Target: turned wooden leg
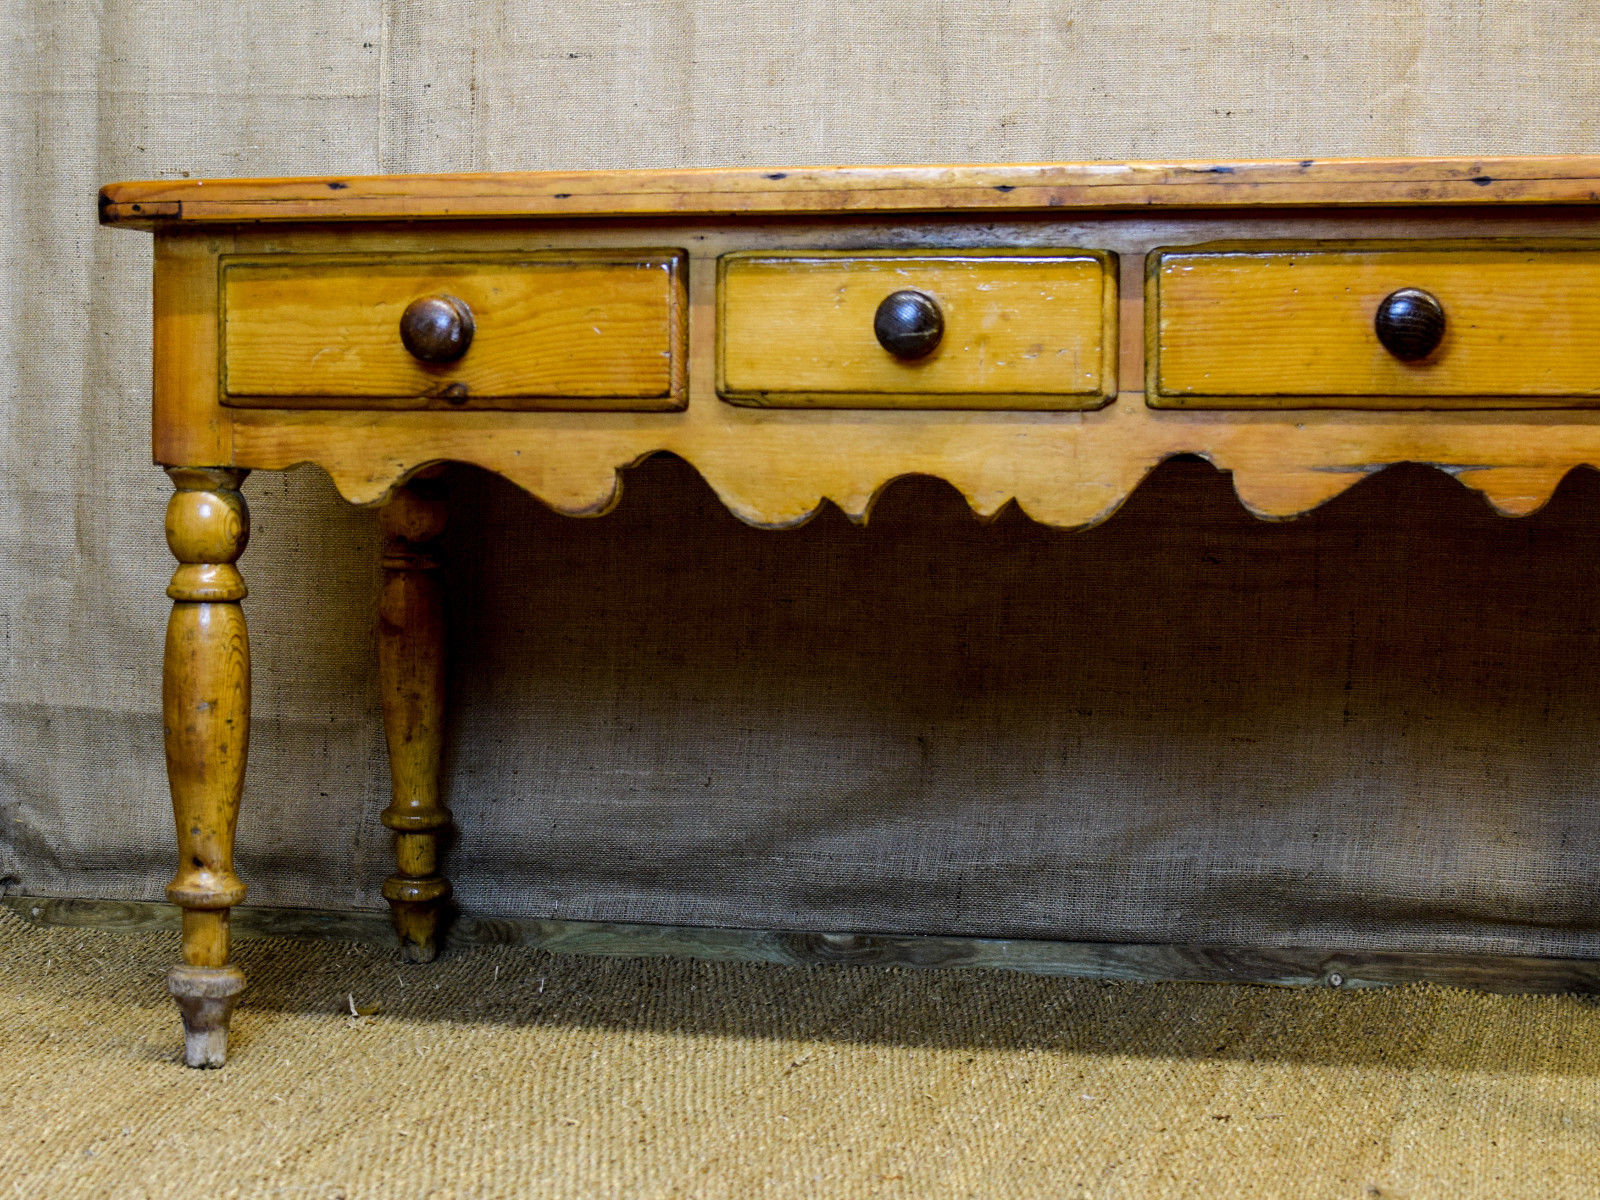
x=411, y=676
x=205, y=702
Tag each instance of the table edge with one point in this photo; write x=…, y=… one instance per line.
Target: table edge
x=722, y=191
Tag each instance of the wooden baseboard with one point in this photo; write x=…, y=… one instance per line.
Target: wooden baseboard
x=1139, y=962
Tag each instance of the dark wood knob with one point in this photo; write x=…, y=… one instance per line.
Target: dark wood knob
x=437, y=329
x=909, y=324
x=1410, y=324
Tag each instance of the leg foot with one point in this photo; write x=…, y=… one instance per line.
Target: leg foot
x=205, y=995
x=416, y=905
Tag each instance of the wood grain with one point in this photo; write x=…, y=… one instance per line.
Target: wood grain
x=723, y=191
x=411, y=682
x=206, y=715
x=775, y=467
x=580, y=330
x=206, y=686
x=318, y=271
x=1291, y=326
x=1292, y=966
x=1023, y=330
x=189, y=426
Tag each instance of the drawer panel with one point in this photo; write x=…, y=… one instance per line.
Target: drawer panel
x=1021, y=330
x=1294, y=326
x=571, y=330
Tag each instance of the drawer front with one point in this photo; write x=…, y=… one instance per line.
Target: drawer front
x=1021, y=330
x=601, y=331
x=1298, y=327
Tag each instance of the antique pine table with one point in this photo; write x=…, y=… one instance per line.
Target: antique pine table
x=1043, y=335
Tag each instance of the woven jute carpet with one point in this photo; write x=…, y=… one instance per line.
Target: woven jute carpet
x=505, y=1071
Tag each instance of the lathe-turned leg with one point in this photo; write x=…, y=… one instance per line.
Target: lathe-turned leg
x=411, y=675
x=205, y=702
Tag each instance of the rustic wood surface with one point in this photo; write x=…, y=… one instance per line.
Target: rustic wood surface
x=1132, y=962
x=308, y=305
x=553, y=331
x=1251, y=326
x=189, y=426
x=1021, y=331
x=411, y=681
x=776, y=467
x=206, y=715
x=720, y=191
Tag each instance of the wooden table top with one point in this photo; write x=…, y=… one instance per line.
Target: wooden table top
x=757, y=190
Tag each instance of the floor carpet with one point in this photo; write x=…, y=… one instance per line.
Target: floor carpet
x=505, y=1071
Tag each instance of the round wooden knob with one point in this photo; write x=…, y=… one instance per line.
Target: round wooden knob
x=909, y=324
x=1410, y=324
x=437, y=329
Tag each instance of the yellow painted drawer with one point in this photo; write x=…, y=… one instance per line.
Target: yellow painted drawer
x=1021, y=330
x=1276, y=326
x=578, y=330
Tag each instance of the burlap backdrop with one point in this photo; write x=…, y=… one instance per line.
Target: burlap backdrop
x=1373, y=727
